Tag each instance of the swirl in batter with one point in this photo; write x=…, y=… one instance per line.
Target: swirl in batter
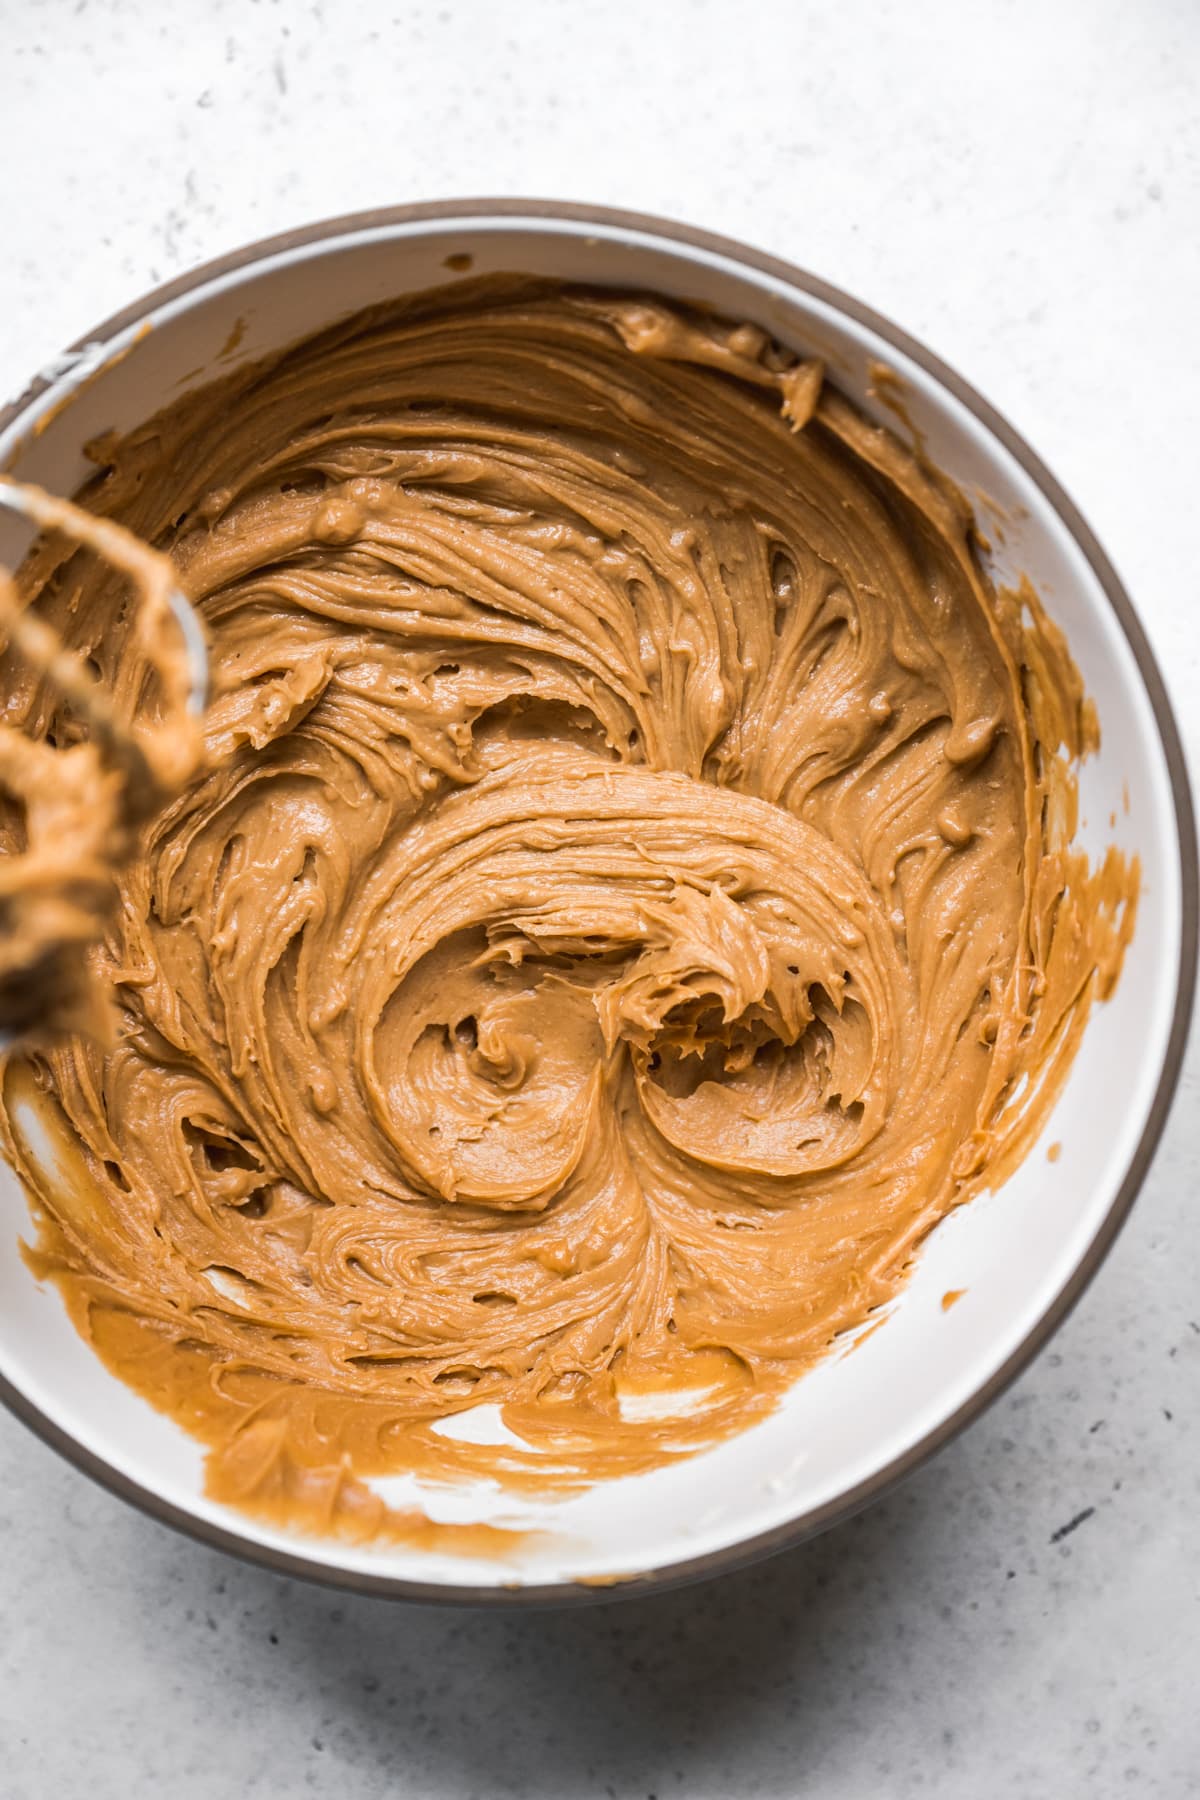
x=628, y=903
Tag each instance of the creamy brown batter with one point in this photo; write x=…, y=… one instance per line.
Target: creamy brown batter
x=629, y=902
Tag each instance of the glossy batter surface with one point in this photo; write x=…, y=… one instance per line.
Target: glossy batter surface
x=628, y=903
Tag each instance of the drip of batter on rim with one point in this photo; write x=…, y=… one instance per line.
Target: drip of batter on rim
x=629, y=900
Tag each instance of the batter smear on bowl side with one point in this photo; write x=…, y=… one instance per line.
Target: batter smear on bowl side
x=629, y=899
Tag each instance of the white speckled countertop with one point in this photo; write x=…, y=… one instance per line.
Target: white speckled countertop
x=1019, y=184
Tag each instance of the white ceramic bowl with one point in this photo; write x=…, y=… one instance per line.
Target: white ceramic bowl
x=853, y=1427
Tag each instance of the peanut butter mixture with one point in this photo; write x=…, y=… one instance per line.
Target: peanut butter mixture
x=628, y=902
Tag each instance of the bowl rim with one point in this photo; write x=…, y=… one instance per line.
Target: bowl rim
x=815, y=1520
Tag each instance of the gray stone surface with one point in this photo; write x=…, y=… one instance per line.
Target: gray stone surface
x=1019, y=184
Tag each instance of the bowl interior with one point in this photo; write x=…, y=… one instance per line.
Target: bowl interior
x=845, y=1428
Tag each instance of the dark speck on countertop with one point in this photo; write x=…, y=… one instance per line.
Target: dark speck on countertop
x=1071, y=1525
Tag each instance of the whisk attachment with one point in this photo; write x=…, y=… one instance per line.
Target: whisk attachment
x=80, y=805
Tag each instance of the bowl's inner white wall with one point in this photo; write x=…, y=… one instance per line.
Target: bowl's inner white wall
x=1013, y=1252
